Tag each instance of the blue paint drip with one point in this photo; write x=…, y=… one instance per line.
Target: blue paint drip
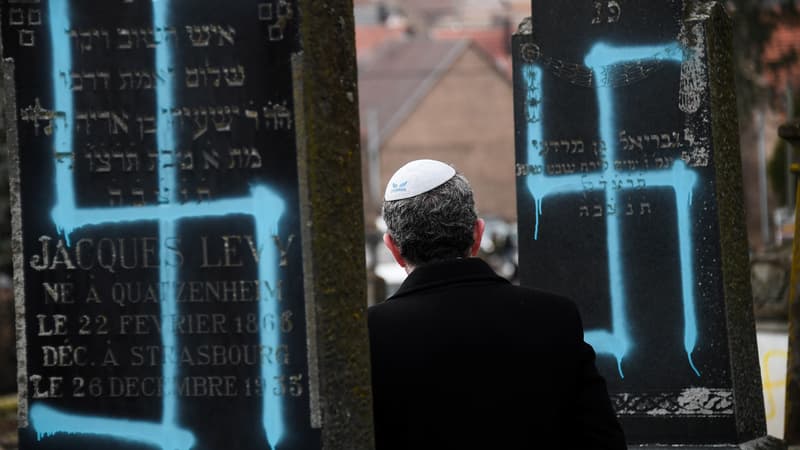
x=59, y=20
x=685, y=181
x=263, y=204
x=167, y=175
x=602, y=57
x=270, y=208
x=538, y=187
x=533, y=107
x=616, y=274
x=49, y=421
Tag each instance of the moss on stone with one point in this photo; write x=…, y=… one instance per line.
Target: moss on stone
x=330, y=164
x=749, y=403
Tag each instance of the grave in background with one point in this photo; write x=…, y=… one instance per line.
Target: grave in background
x=186, y=274
x=629, y=202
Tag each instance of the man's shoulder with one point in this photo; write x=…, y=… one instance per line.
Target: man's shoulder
x=542, y=302
x=538, y=295
x=506, y=296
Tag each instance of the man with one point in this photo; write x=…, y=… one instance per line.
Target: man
x=461, y=358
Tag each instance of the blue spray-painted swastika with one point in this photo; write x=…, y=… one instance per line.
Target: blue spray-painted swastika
x=616, y=342
x=263, y=204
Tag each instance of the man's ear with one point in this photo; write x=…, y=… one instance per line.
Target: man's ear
x=394, y=249
x=477, y=235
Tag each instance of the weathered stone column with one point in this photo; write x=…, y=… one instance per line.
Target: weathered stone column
x=331, y=162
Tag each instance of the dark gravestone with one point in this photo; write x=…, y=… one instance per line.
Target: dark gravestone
x=185, y=186
x=629, y=202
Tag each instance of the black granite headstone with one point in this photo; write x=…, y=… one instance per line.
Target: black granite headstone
x=629, y=202
x=790, y=131
x=165, y=150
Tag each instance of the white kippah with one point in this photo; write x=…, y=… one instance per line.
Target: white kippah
x=417, y=177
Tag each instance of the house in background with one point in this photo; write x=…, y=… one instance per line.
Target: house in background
x=770, y=221
x=435, y=82
x=446, y=100
x=488, y=23
x=376, y=24
x=781, y=56
x=440, y=99
x=442, y=92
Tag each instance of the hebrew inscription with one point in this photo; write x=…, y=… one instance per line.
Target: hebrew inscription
x=162, y=262
x=618, y=206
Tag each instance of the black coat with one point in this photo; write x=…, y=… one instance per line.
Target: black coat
x=462, y=359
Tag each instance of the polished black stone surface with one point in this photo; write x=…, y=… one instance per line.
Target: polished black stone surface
x=164, y=298
x=618, y=206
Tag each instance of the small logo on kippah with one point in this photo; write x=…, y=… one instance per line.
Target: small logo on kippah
x=399, y=187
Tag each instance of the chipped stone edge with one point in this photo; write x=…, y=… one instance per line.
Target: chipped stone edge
x=682, y=401
x=764, y=443
x=8, y=70
x=699, y=11
x=306, y=226
x=526, y=26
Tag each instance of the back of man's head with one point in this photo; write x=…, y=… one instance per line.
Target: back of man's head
x=430, y=224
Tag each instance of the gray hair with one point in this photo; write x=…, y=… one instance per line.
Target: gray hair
x=434, y=226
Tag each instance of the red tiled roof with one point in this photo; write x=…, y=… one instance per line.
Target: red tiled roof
x=785, y=36
x=370, y=37
x=427, y=11
x=783, y=46
x=427, y=6
x=495, y=42
x=398, y=77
